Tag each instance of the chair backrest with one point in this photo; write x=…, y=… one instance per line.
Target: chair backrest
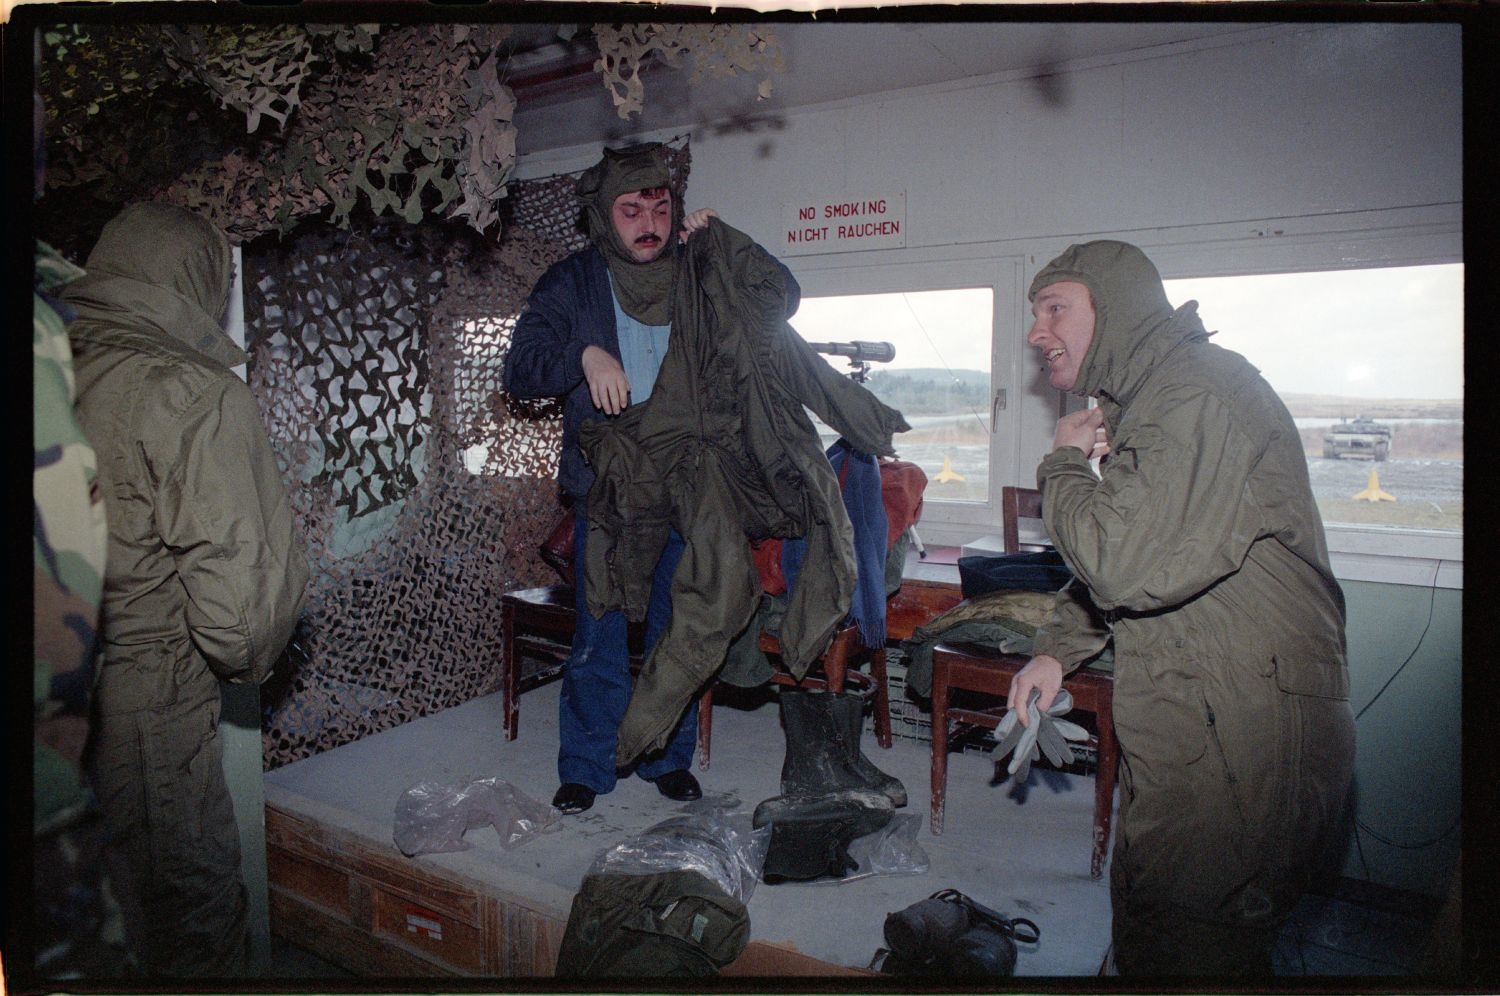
x=1017, y=504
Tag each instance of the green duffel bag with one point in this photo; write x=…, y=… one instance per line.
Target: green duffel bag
x=673, y=923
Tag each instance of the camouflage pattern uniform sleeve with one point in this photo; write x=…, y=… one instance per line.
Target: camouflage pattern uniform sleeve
x=78, y=927
x=68, y=546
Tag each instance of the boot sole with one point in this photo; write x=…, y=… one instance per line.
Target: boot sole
x=820, y=808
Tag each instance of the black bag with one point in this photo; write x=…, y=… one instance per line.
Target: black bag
x=1043, y=570
x=557, y=548
x=949, y=934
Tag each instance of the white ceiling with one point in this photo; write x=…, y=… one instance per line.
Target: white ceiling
x=824, y=62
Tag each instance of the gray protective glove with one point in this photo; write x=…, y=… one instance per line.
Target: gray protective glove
x=1046, y=730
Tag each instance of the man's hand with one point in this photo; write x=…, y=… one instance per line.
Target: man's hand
x=1043, y=672
x=608, y=385
x=695, y=221
x=1084, y=430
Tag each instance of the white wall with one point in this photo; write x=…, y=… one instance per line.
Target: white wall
x=1278, y=121
x=1275, y=121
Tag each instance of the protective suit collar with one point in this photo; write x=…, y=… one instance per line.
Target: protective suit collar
x=165, y=268
x=643, y=289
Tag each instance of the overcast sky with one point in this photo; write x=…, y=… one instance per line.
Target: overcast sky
x=943, y=329
x=1390, y=332
x=1394, y=332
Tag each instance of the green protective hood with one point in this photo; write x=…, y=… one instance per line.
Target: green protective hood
x=165, y=268
x=1134, y=323
x=644, y=290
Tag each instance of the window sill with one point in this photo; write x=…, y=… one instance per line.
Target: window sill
x=1426, y=558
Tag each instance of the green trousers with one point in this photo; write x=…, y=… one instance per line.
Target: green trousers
x=1233, y=794
x=158, y=771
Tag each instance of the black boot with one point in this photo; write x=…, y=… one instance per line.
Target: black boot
x=810, y=835
x=849, y=720
x=816, y=762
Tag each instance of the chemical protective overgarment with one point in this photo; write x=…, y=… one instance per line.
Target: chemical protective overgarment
x=724, y=452
x=1203, y=552
x=204, y=575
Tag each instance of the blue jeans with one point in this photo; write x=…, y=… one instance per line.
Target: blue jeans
x=596, y=682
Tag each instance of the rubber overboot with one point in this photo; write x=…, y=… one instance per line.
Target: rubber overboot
x=810, y=835
x=816, y=762
x=849, y=719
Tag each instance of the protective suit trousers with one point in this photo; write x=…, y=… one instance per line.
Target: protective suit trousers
x=596, y=683
x=159, y=775
x=1222, y=825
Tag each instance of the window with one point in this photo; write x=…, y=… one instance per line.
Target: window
x=1370, y=365
x=939, y=377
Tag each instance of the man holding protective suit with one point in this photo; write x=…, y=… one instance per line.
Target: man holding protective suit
x=692, y=313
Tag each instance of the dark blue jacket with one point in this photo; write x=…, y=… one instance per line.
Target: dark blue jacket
x=571, y=308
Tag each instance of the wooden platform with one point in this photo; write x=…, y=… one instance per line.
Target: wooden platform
x=340, y=887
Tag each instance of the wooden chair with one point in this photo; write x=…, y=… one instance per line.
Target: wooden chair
x=988, y=672
x=833, y=671
x=540, y=621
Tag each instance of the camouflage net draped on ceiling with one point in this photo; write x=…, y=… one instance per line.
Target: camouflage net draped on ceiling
x=718, y=49
x=410, y=122
x=364, y=169
x=422, y=491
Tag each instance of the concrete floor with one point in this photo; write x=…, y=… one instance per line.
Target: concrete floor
x=1023, y=851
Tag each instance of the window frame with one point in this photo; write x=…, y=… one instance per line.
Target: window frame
x=1366, y=240
x=856, y=274
x=1409, y=236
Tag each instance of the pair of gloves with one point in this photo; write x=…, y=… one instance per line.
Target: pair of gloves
x=1046, y=732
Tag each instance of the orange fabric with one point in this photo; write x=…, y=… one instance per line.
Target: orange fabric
x=901, y=485
x=766, y=554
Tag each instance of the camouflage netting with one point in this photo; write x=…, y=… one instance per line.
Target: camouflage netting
x=410, y=122
x=421, y=489
x=365, y=169
x=715, y=49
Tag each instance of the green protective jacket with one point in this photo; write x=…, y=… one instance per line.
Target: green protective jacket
x=1201, y=551
x=724, y=452
x=204, y=576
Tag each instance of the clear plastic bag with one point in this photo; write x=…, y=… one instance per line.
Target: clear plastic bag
x=432, y=818
x=891, y=850
x=719, y=846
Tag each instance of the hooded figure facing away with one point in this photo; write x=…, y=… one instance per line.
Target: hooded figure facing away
x=204, y=575
x=1200, y=550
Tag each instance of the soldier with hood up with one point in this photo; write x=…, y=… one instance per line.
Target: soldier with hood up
x=1201, y=553
x=204, y=577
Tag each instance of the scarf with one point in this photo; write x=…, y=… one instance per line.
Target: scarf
x=644, y=290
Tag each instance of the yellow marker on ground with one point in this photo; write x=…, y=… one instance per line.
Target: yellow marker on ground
x=947, y=473
x=1372, y=491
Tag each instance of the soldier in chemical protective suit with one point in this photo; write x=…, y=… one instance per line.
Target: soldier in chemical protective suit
x=204, y=576
x=1201, y=552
